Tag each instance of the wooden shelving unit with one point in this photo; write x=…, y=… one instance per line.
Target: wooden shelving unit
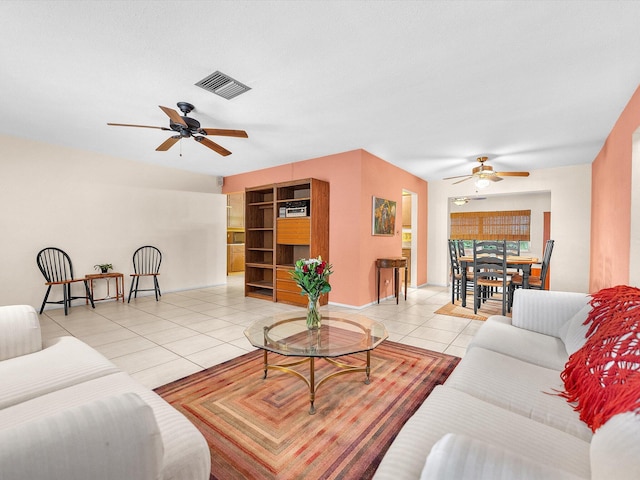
x=274, y=241
x=259, y=247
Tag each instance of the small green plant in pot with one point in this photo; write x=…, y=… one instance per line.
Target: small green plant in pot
x=103, y=267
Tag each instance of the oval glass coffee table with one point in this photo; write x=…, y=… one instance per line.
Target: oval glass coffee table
x=340, y=335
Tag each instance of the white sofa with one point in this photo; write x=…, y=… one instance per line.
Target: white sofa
x=67, y=413
x=498, y=416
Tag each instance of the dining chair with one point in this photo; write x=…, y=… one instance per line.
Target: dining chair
x=490, y=274
x=456, y=273
x=57, y=269
x=536, y=282
x=146, y=263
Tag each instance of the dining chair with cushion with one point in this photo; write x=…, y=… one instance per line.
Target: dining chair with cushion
x=536, y=282
x=146, y=263
x=490, y=274
x=57, y=269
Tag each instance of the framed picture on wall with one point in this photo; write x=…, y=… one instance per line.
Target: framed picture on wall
x=384, y=217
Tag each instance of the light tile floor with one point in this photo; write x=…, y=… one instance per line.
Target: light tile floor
x=185, y=332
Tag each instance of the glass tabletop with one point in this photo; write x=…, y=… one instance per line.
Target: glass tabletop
x=340, y=334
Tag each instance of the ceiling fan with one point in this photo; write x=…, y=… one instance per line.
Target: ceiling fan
x=464, y=200
x=484, y=174
x=188, y=127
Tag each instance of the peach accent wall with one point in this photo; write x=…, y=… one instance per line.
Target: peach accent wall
x=611, y=202
x=354, y=177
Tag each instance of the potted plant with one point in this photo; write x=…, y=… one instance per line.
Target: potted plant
x=103, y=267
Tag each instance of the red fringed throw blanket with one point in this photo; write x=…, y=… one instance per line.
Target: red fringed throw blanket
x=603, y=377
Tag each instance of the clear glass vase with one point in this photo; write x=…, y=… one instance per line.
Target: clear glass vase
x=313, y=313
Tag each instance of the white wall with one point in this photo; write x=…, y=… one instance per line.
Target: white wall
x=99, y=209
x=570, y=190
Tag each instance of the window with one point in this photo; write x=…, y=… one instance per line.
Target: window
x=506, y=225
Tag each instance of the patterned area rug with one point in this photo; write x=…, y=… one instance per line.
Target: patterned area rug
x=457, y=310
x=261, y=428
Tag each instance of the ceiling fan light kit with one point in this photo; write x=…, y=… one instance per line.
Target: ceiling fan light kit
x=483, y=182
x=186, y=127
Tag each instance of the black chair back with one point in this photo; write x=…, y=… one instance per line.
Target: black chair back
x=490, y=259
x=490, y=271
x=546, y=259
x=460, y=244
x=54, y=264
x=453, y=256
x=147, y=260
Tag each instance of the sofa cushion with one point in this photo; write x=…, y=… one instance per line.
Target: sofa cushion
x=545, y=311
x=456, y=457
x=186, y=454
x=112, y=438
x=66, y=362
x=447, y=410
x=19, y=331
x=615, y=449
x=603, y=377
x=574, y=335
x=499, y=335
x=522, y=387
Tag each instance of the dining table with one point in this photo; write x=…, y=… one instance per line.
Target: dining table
x=513, y=261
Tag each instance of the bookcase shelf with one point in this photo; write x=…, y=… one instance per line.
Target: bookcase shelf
x=275, y=241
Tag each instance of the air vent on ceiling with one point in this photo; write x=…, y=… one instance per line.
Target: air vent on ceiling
x=222, y=85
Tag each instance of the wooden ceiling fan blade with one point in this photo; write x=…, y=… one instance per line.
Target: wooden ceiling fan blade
x=512, y=174
x=460, y=181
x=493, y=178
x=213, y=146
x=139, y=126
x=225, y=133
x=173, y=115
x=459, y=176
x=168, y=143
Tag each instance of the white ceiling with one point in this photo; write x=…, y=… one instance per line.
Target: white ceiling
x=425, y=85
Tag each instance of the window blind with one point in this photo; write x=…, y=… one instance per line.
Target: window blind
x=505, y=225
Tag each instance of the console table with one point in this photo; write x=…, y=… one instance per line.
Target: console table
x=396, y=263
x=108, y=276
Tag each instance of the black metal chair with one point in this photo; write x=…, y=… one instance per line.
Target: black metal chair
x=146, y=263
x=490, y=273
x=57, y=269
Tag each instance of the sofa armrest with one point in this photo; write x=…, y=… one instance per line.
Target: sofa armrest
x=459, y=457
x=19, y=331
x=545, y=311
x=109, y=439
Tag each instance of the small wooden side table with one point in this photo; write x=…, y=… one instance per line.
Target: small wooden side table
x=108, y=276
x=396, y=263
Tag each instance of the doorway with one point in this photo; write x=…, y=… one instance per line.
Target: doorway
x=410, y=233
